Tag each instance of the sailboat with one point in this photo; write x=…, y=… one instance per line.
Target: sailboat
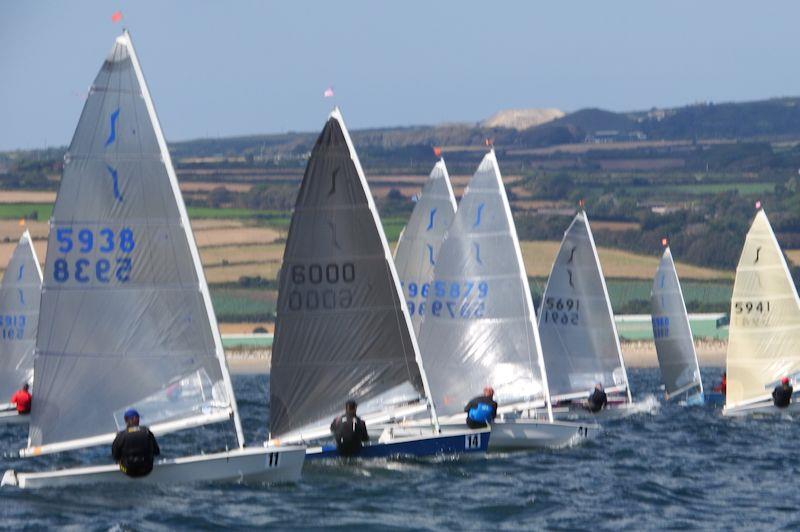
x=19, y=317
x=419, y=243
x=125, y=312
x=342, y=330
x=576, y=325
x=480, y=326
x=677, y=358
x=764, y=334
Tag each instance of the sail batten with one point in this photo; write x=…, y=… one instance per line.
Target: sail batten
x=479, y=326
x=418, y=246
x=342, y=330
x=576, y=324
x=764, y=331
x=20, y=293
x=672, y=332
x=123, y=286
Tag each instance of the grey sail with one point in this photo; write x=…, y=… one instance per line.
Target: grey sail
x=20, y=292
x=576, y=324
x=419, y=243
x=342, y=329
x=480, y=327
x=671, y=331
x=125, y=313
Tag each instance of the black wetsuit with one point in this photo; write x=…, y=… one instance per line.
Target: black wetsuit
x=597, y=401
x=481, y=399
x=782, y=395
x=134, y=449
x=349, y=431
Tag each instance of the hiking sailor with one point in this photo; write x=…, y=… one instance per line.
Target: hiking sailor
x=22, y=400
x=782, y=394
x=135, y=447
x=349, y=430
x=598, y=400
x=481, y=410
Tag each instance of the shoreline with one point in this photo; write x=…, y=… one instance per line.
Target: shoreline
x=639, y=354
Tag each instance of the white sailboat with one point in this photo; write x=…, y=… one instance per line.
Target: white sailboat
x=764, y=334
x=419, y=242
x=576, y=325
x=480, y=326
x=125, y=311
x=20, y=292
x=672, y=333
x=342, y=330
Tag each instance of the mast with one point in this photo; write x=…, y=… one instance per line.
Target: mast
x=608, y=303
x=167, y=160
x=337, y=115
x=528, y=299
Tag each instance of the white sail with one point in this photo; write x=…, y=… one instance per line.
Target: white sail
x=342, y=329
x=764, y=334
x=126, y=315
x=672, y=333
x=419, y=243
x=576, y=324
x=479, y=328
x=20, y=292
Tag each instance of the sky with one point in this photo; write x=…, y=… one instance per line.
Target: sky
x=225, y=68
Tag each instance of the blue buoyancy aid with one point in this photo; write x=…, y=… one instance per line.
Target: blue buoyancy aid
x=482, y=413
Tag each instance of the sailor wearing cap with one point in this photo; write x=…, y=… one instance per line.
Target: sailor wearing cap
x=135, y=447
x=782, y=394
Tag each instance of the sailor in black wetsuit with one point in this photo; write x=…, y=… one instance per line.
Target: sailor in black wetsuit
x=782, y=394
x=481, y=410
x=350, y=431
x=598, y=400
x=135, y=447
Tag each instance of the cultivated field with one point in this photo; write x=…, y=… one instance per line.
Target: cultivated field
x=539, y=257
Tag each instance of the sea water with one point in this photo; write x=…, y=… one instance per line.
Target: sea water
x=673, y=466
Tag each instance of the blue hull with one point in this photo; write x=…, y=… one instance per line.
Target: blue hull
x=439, y=445
x=715, y=399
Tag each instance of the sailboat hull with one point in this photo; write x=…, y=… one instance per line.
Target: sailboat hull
x=526, y=434
x=250, y=465
x=765, y=408
x=10, y=417
x=613, y=410
x=416, y=443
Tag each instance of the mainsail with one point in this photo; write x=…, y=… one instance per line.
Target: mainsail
x=342, y=329
x=671, y=331
x=576, y=323
x=19, y=317
x=764, y=334
x=479, y=328
x=126, y=315
x=419, y=244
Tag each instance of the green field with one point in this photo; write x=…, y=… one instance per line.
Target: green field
x=243, y=305
x=702, y=327
x=29, y=211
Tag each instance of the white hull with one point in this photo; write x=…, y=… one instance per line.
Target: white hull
x=257, y=465
x=521, y=434
x=10, y=417
x=611, y=411
x=764, y=408
x=524, y=434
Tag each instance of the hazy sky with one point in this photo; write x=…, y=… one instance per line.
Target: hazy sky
x=221, y=68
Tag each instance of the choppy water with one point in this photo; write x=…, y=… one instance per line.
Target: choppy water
x=675, y=468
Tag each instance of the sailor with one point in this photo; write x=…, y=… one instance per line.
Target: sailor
x=349, y=430
x=597, y=400
x=723, y=384
x=22, y=400
x=482, y=409
x=782, y=394
x=135, y=447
